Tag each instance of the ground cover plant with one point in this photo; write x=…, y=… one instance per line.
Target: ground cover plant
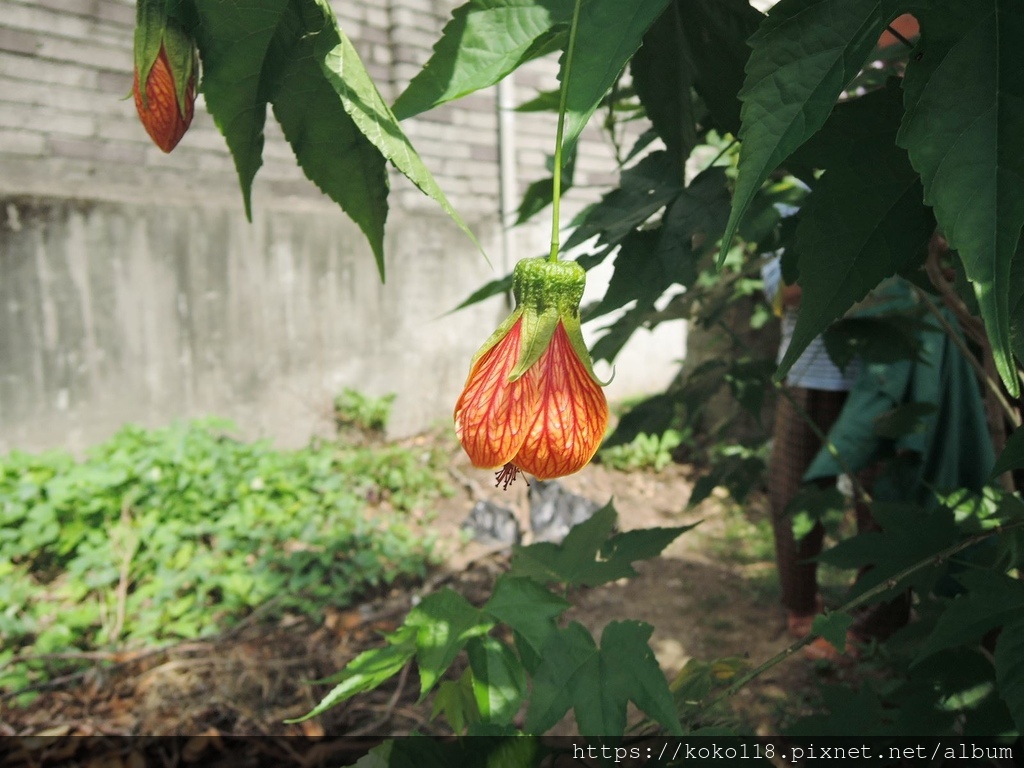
x=160, y=535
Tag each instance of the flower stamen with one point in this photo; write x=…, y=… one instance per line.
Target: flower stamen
x=507, y=475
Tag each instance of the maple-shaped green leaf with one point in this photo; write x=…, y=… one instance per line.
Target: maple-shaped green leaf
x=455, y=700
x=964, y=98
x=833, y=626
x=589, y=555
x=499, y=681
x=803, y=55
x=233, y=39
x=444, y=622
x=343, y=68
x=368, y=670
x=483, y=42
x=526, y=607
x=991, y=600
x=864, y=220
x=599, y=683
x=1009, y=659
x=908, y=534
x=598, y=57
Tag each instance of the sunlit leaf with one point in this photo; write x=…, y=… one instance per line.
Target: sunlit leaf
x=364, y=104
x=233, y=40
x=483, y=42
x=599, y=57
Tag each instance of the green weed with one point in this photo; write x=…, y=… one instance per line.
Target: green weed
x=176, y=533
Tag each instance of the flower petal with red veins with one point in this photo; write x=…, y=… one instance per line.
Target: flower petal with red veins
x=492, y=413
x=572, y=415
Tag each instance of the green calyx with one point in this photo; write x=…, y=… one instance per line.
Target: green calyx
x=546, y=293
x=161, y=24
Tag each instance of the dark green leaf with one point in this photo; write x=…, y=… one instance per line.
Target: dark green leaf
x=803, y=55
x=619, y=332
x=662, y=75
x=1012, y=456
x=364, y=104
x=599, y=684
x=864, y=220
x=963, y=92
x=1009, y=659
x=329, y=146
x=909, y=534
x=233, y=40
x=641, y=544
x=444, y=622
x=717, y=32
x=483, y=42
x=569, y=663
x=832, y=626
x=526, y=607
x=748, y=381
x=991, y=601
x=499, y=681
x=637, y=276
x=599, y=57
x=644, y=189
x=572, y=561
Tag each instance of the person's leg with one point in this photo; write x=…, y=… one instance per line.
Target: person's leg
x=794, y=447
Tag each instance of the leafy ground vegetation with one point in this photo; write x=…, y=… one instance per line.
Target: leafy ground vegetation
x=177, y=533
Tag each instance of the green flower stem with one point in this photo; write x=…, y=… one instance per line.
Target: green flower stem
x=556, y=192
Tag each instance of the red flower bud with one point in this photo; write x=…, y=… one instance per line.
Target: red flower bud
x=532, y=401
x=165, y=73
x=159, y=109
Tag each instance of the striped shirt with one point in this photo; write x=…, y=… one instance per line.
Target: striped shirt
x=814, y=369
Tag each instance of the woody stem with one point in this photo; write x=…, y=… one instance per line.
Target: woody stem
x=556, y=180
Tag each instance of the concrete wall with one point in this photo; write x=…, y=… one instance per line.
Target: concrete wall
x=133, y=289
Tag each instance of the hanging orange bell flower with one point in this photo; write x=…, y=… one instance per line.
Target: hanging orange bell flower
x=532, y=402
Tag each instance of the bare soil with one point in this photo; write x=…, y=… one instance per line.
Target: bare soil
x=711, y=595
